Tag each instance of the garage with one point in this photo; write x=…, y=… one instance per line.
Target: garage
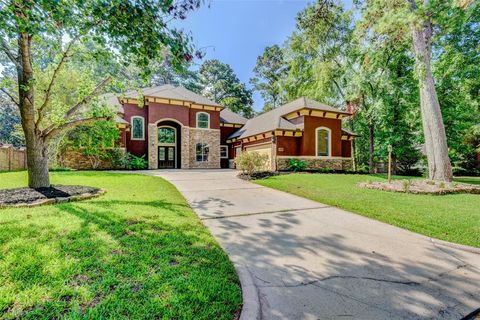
x=264, y=148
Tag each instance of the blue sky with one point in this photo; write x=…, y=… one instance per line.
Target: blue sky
x=237, y=31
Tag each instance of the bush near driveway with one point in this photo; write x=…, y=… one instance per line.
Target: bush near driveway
x=137, y=252
x=453, y=217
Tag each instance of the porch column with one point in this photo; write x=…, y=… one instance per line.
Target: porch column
x=152, y=146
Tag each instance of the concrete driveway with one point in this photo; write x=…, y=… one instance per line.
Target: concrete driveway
x=300, y=259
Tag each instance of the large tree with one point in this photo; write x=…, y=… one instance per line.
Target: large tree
x=268, y=72
x=220, y=83
x=418, y=21
x=129, y=31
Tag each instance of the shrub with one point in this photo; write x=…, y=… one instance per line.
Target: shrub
x=251, y=162
x=129, y=161
x=296, y=165
x=406, y=185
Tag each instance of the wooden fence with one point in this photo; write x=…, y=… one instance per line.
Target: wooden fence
x=12, y=158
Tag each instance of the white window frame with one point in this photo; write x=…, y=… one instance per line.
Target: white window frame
x=208, y=117
x=226, y=147
x=143, y=128
x=329, y=141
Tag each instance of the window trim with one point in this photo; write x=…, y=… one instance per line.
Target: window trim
x=329, y=141
x=143, y=128
x=223, y=146
x=204, y=145
x=208, y=117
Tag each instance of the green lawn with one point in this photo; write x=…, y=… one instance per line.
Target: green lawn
x=137, y=252
x=454, y=217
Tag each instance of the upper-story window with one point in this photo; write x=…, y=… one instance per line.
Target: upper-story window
x=138, y=128
x=324, y=143
x=203, y=120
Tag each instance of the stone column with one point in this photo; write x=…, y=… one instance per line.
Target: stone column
x=185, y=143
x=152, y=146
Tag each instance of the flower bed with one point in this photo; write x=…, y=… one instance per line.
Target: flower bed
x=422, y=186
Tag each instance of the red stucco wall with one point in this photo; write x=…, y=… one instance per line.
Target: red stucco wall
x=308, y=139
x=214, y=118
x=137, y=147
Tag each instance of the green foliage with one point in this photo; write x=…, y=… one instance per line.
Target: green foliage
x=136, y=252
x=251, y=162
x=132, y=162
x=269, y=70
x=95, y=141
x=220, y=84
x=10, y=131
x=134, y=31
x=296, y=165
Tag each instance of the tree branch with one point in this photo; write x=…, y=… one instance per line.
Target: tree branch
x=10, y=96
x=48, y=93
x=80, y=104
x=69, y=125
x=88, y=98
x=5, y=48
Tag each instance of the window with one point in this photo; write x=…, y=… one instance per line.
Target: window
x=323, y=142
x=202, y=152
x=138, y=126
x=166, y=136
x=223, y=152
x=203, y=120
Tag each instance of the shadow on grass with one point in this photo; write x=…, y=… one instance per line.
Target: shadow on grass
x=155, y=262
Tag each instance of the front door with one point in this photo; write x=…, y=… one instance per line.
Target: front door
x=166, y=157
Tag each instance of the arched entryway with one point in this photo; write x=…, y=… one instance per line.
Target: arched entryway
x=169, y=144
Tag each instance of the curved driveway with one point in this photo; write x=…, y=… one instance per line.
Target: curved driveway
x=307, y=260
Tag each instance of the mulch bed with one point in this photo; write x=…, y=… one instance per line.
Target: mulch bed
x=25, y=197
x=422, y=187
x=257, y=175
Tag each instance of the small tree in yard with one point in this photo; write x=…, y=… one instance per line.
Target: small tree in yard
x=126, y=31
x=251, y=162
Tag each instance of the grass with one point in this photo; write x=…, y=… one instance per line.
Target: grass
x=137, y=252
x=454, y=217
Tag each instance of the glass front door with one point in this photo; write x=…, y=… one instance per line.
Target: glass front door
x=166, y=157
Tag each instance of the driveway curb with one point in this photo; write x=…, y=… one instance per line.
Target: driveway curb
x=455, y=246
x=251, y=301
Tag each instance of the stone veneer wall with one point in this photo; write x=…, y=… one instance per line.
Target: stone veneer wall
x=152, y=146
x=194, y=136
x=189, y=139
x=339, y=164
x=75, y=159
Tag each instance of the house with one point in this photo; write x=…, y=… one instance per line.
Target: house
x=177, y=128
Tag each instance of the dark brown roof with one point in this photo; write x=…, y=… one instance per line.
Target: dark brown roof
x=228, y=116
x=168, y=91
x=273, y=119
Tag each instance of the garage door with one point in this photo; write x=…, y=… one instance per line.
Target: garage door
x=263, y=149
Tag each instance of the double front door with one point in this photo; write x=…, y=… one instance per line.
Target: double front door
x=166, y=157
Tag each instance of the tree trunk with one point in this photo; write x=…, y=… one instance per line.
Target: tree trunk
x=439, y=167
x=371, y=147
x=37, y=153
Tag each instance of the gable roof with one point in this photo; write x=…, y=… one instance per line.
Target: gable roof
x=228, y=116
x=273, y=119
x=168, y=91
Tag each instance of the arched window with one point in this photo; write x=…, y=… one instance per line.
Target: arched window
x=203, y=120
x=202, y=152
x=323, y=142
x=138, y=128
x=166, y=135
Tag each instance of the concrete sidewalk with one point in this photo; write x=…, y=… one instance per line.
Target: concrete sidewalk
x=300, y=259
